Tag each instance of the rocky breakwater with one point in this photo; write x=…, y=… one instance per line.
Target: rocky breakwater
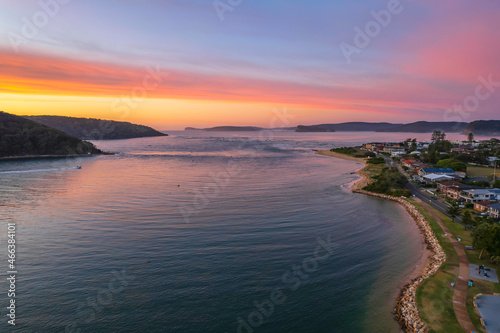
x=406, y=311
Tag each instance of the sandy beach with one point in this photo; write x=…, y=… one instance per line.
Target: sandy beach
x=358, y=184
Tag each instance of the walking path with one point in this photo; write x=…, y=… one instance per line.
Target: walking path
x=460, y=294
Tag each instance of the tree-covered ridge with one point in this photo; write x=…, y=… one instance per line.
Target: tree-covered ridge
x=484, y=127
x=96, y=129
x=24, y=137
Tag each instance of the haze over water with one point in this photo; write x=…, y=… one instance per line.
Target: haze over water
x=119, y=218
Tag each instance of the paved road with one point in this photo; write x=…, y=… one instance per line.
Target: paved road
x=419, y=192
x=460, y=293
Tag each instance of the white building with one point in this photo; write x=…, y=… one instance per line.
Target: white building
x=476, y=195
x=432, y=178
x=492, y=161
x=494, y=210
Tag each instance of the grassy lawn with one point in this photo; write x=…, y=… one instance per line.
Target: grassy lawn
x=427, y=292
x=477, y=171
x=435, y=295
x=372, y=170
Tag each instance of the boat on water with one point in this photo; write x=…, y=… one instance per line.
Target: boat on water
x=78, y=166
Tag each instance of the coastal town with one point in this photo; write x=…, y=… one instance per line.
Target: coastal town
x=452, y=191
x=461, y=171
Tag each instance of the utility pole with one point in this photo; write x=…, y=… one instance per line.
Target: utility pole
x=494, y=171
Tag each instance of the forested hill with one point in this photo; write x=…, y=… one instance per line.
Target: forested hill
x=484, y=127
x=23, y=137
x=96, y=129
x=427, y=127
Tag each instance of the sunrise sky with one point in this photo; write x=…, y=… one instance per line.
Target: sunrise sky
x=176, y=63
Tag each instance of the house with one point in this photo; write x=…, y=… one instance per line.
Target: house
x=479, y=179
x=482, y=206
x=443, y=186
x=477, y=195
x=391, y=149
x=463, y=149
x=452, y=188
x=455, y=191
x=433, y=178
x=372, y=146
x=437, y=171
x=408, y=162
x=494, y=210
x=398, y=153
x=417, y=166
x=492, y=161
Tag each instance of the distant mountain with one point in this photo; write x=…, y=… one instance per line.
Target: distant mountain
x=346, y=127
x=96, y=129
x=23, y=137
x=427, y=127
x=484, y=127
x=317, y=128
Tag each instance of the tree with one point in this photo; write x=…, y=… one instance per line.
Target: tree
x=467, y=218
x=413, y=145
x=456, y=165
x=496, y=184
x=481, y=237
x=487, y=237
x=438, y=136
x=471, y=137
x=453, y=210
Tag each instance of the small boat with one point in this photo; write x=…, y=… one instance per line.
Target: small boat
x=78, y=166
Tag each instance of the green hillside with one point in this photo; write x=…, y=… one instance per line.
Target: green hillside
x=96, y=129
x=23, y=137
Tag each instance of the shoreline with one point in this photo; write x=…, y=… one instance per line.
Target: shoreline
x=40, y=157
x=356, y=184
x=433, y=256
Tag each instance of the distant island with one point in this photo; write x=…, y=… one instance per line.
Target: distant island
x=21, y=137
x=317, y=128
x=226, y=129
x=96, y=129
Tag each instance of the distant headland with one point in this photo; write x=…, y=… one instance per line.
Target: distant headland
x=55, y=136
x=21, y=137
x=480, y=127
x=96, y=129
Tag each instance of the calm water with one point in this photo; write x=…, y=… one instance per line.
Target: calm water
x=197, y=231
